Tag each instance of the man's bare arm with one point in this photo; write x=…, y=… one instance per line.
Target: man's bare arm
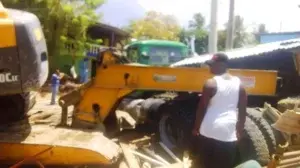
x=242, y=106
x=208, y=91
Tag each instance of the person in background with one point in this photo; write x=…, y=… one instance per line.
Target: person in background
x=55, y=82
x=220, y=116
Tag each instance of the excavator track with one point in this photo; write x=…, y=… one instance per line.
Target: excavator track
x=15, y=107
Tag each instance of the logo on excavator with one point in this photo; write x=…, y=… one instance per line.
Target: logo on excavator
x=164, y=78
x=8, y=77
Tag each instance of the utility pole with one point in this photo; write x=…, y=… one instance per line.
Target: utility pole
x=230, y=26
x=213, y=33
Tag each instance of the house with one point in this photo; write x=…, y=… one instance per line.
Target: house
x=274, y=37
x=108, y=34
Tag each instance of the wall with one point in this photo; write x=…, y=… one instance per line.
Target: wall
x=267, y=38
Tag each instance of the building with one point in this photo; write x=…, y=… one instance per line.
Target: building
x=110, y=36
x=274, y=37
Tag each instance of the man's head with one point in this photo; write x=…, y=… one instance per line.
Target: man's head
x=218, y=63
x=57, y=71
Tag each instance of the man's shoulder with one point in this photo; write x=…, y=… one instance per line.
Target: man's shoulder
x=210, y=83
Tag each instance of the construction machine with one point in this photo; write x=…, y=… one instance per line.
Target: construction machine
x=23, y=62
x=167, y=101
x=169, y=98
x=112, y=99
x=113, y=95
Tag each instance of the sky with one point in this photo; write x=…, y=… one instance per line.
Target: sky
x=278, y=15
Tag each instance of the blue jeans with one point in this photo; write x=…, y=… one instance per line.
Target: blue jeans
x=54, y=90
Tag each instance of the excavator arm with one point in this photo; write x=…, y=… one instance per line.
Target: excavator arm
x=113, y=81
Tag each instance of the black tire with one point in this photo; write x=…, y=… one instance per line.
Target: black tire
x=253, y=145
x=174, y=132
x=163, y=132
x=15, y=107
x=264, y=127
x=150, y=108
x=280, y=139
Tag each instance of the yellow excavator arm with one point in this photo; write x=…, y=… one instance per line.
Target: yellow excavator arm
x=113, y=81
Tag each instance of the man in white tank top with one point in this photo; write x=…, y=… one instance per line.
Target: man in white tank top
x=221, y=115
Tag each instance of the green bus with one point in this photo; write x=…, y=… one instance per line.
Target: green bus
x=156, y=52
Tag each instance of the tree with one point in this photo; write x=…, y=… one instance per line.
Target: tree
x=196, y=28
x=197, y=22
x=155, y=26
x=262, y=28
x=241, y=37
x=222, y=40
x=63, y=21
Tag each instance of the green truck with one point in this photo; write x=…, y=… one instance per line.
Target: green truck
x=156, y=52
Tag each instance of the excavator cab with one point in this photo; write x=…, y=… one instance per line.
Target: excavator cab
x=23, y=62
x=23, y=52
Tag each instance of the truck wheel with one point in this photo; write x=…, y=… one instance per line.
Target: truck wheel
x=264, y=127
x=253, y=145
x=165, y=130
x=175, y=132
x=280, y=139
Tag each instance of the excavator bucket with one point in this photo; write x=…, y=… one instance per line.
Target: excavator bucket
x=40, y=138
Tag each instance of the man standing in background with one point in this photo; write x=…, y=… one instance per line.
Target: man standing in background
x=220, y=116
x=55, y=82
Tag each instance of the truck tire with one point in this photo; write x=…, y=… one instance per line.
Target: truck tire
x=264, y=127
x=253, y=145
x=164, y=129
x=15, y=107
x=175, y=131
x=280, y=139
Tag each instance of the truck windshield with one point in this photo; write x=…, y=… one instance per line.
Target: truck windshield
x=164, y=55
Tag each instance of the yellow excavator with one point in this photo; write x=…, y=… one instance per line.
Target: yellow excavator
x=120, y=95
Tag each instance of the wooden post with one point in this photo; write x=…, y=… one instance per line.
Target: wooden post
x=64, y=116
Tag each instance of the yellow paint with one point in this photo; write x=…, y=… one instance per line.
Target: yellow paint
x=8, y=34
x=110, y=84
x=106, y=98
x=7, y=29
x=38, y=34
x=3, y=11
x=12, y=153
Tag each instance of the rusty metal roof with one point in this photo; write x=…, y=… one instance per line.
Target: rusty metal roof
x=258, y=50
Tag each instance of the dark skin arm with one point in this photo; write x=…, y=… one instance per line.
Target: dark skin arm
x=208, y=91
x=242, y=105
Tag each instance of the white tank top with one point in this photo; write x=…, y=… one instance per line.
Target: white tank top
x=221, y=116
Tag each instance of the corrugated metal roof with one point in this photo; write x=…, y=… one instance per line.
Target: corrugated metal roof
x=257, y=50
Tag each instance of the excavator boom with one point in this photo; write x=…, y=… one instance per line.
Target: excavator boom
x=113, y=81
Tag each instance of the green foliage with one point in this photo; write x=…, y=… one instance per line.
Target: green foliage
x=222, y=40
x=197, y=22
x=240, y=34
x=260, y=29
x=197, y=28
x=64, y=21
x=155, y=26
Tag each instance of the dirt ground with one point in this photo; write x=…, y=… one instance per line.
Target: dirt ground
x=41, y=127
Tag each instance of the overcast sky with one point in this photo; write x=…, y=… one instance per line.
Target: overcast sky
x=278, y=15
